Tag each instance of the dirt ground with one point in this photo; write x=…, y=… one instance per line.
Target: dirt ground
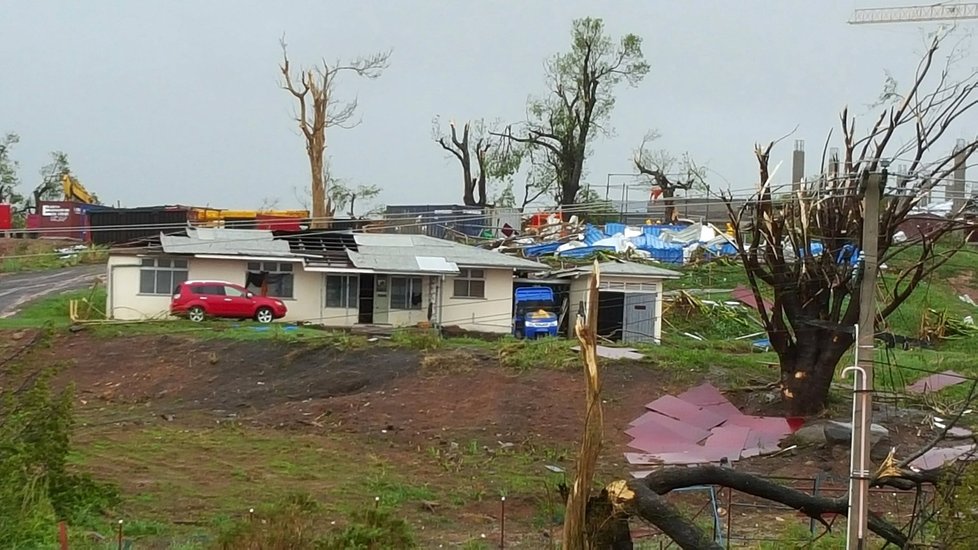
x=359, y=390
x=401, y=404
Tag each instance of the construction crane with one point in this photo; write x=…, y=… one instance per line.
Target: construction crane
x=75, y=191
x=906, y=14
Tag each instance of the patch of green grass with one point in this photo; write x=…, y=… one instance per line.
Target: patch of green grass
x=229, y=330
x=725, y=273
x=733, y=361
x=799, y=535
x=168, y=469
x=552, y=353
x=389, y=490
x=416, y=338
x=53, y=310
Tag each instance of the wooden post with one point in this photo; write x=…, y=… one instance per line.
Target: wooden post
x=574, y=536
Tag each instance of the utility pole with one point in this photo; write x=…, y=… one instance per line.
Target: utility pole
x=865, y=335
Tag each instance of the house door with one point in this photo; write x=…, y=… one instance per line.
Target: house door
x=381, y=299
x=639, y=321
x=366, y=299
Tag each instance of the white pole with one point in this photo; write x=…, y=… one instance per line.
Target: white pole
x=858, y=475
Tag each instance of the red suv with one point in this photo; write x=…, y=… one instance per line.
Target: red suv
x=196, y=300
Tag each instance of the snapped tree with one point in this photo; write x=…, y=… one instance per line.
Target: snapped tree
x=561, y=126
x=816, y=294
x=494, y=161
x=667, y=173
x=9, y=179
x=51, y=174
x=319, y=109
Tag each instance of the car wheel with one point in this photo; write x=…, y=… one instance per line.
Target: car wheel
x=518, y=334
x=195, y=314
x=264, y=315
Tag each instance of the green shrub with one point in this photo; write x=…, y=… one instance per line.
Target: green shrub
x=415, y=338
x=36, y=489
x=298, y=522
x=551, y=353
x=371, y=529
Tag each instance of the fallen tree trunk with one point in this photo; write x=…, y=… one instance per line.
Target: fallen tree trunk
x=642, y=498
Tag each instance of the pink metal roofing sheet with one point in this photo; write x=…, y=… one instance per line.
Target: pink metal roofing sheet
x=936, y=382
x=658, y=425
x=685, y=411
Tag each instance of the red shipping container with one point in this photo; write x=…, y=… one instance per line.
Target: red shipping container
x=62, y=219
x=6, y=217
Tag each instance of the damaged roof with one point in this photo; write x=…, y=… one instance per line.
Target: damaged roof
x=421, y=253
x=622, y=269
x=217, y=241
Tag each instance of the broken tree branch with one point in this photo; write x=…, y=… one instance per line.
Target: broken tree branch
x=575, y=520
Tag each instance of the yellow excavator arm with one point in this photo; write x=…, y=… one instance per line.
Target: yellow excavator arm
x=75, y=191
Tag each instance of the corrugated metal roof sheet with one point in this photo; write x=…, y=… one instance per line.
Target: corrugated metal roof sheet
x=400, y=253
x=237, y=242
x=630, y=269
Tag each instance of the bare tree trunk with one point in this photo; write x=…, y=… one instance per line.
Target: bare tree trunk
x=668, y=193
x=317, y=168
x=482, y=190
x=808, y=368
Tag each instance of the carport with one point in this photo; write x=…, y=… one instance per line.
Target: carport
x=629, y=299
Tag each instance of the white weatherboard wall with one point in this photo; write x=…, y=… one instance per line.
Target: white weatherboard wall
x=126, y=303
x=578, y=294
x=123, y=300
x=494, y=313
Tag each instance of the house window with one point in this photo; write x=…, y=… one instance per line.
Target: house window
x=270, y=279
x=406, y=292
x=342, y=290
x=161, y=275
x=470, y=283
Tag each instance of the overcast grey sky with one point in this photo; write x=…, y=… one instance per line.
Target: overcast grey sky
x=178, y=101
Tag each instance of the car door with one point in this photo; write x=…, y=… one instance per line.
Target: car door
x=204, y=294
x=217, y=305
x=237, y=301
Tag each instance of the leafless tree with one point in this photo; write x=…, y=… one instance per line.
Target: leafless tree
x=319, y=109
x=473, y=141
x=667, y=173
x=816, y=295
x=495, y=159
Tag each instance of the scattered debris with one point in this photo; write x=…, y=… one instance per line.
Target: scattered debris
x=936, y=382
x=967, y=299
x=676, y=244
x=939, y=325
x=70, y=252
x=615, y=353
x=939, y=456
x=746, y=296
x=957, y=432
x=701, y=426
